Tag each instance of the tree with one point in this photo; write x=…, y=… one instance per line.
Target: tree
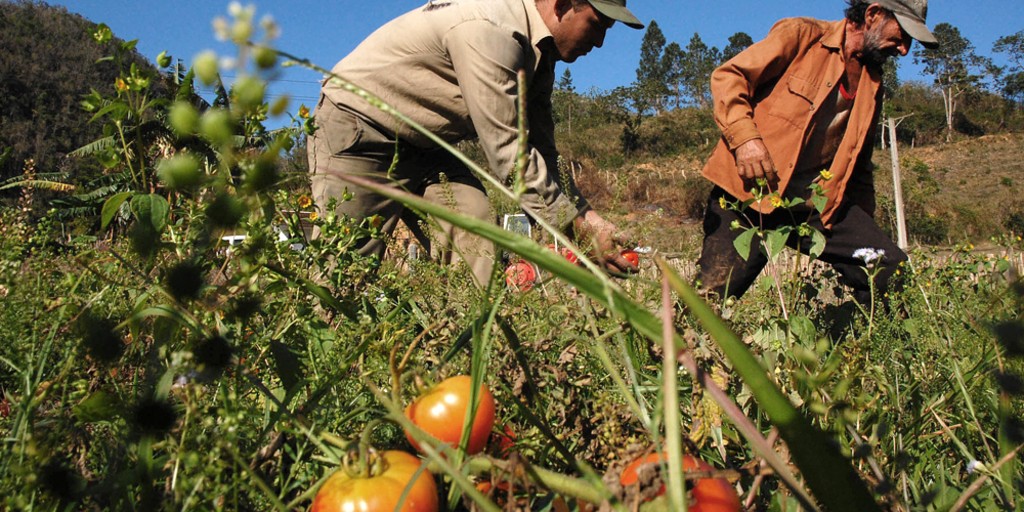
x=563, y=99
x=672, y=60
x=737, y=43
x=650, y=75
x=953, y=64
x=1012, y=82
x=699, y=61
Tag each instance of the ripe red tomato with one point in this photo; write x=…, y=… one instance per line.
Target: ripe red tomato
x=520, y=275
x=380, y=493
x=442, y=411
x=707, y=494
x=566, y=253
x=631, y=256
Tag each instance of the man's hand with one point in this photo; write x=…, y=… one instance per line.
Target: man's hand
x=604, y=240
x=753, y=161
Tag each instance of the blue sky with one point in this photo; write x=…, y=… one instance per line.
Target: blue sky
x=324, y=31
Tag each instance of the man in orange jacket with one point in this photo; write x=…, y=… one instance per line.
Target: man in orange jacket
x=799, y=109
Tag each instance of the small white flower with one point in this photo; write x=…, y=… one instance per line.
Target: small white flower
x=973, y=466
x=869, y=255
x=220, y=29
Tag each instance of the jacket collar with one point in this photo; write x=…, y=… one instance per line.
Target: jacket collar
x=834, y=35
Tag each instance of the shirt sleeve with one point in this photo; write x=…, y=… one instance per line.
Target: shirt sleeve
x=486, y=59
x=735, y=84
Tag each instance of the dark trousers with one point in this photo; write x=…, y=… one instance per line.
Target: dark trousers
x=724, y=272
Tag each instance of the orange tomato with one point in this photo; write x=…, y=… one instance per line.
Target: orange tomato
x=380, y=493
x=442, y=410
x=707, y=494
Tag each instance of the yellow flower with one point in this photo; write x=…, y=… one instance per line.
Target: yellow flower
x=305, y=201
x=313, y=216
x=776, y=201
x=303, y=111
x=121, y=85
x=825, y=175
x=722, y=203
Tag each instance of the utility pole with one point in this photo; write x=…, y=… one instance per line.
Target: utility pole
x=897, y=183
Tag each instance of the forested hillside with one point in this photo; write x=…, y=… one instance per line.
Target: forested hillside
x=50, y=61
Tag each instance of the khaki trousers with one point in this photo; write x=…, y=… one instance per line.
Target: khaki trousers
x=346, y=144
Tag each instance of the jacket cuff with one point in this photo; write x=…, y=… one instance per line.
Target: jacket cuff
x=739, y=132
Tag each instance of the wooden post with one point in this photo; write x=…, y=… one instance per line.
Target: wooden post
x=897, y=187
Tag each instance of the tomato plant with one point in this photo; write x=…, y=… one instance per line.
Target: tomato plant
x=380, y=492
x=706, y=494
x=442, y=410
x=632, y=257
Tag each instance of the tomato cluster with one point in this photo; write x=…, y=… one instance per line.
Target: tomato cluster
x=440, y=412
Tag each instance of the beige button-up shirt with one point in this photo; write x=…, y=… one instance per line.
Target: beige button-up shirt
x=452, y=67
x=772, y=91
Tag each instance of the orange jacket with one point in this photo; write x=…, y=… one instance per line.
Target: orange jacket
x=772, y=89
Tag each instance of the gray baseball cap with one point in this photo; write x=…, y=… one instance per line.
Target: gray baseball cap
x=616, y=10
x=911, y=14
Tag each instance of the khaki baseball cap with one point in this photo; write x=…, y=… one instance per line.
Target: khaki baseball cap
x=616, y=10
x=911, y=14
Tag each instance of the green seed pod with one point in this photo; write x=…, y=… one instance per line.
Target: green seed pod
x=264, y=57
x=184, y=118
x=241, y=31
x=216, y=126
x=248, y=93
x=205, y=65
x=279, y=106
x=180, y=172
x=225, y=211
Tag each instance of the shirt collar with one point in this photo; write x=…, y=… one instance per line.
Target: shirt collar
x=539, y=31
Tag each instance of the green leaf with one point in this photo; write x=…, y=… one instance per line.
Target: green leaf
x=817, y=244
x=744, y=242
x=819, y=202
x=803, y=329
x=287, y=364
x=776, y=241
x=152, y=210
x=97, y=407
x=111, y=206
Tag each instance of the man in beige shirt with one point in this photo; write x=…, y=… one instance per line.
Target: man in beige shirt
x=452, y=66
